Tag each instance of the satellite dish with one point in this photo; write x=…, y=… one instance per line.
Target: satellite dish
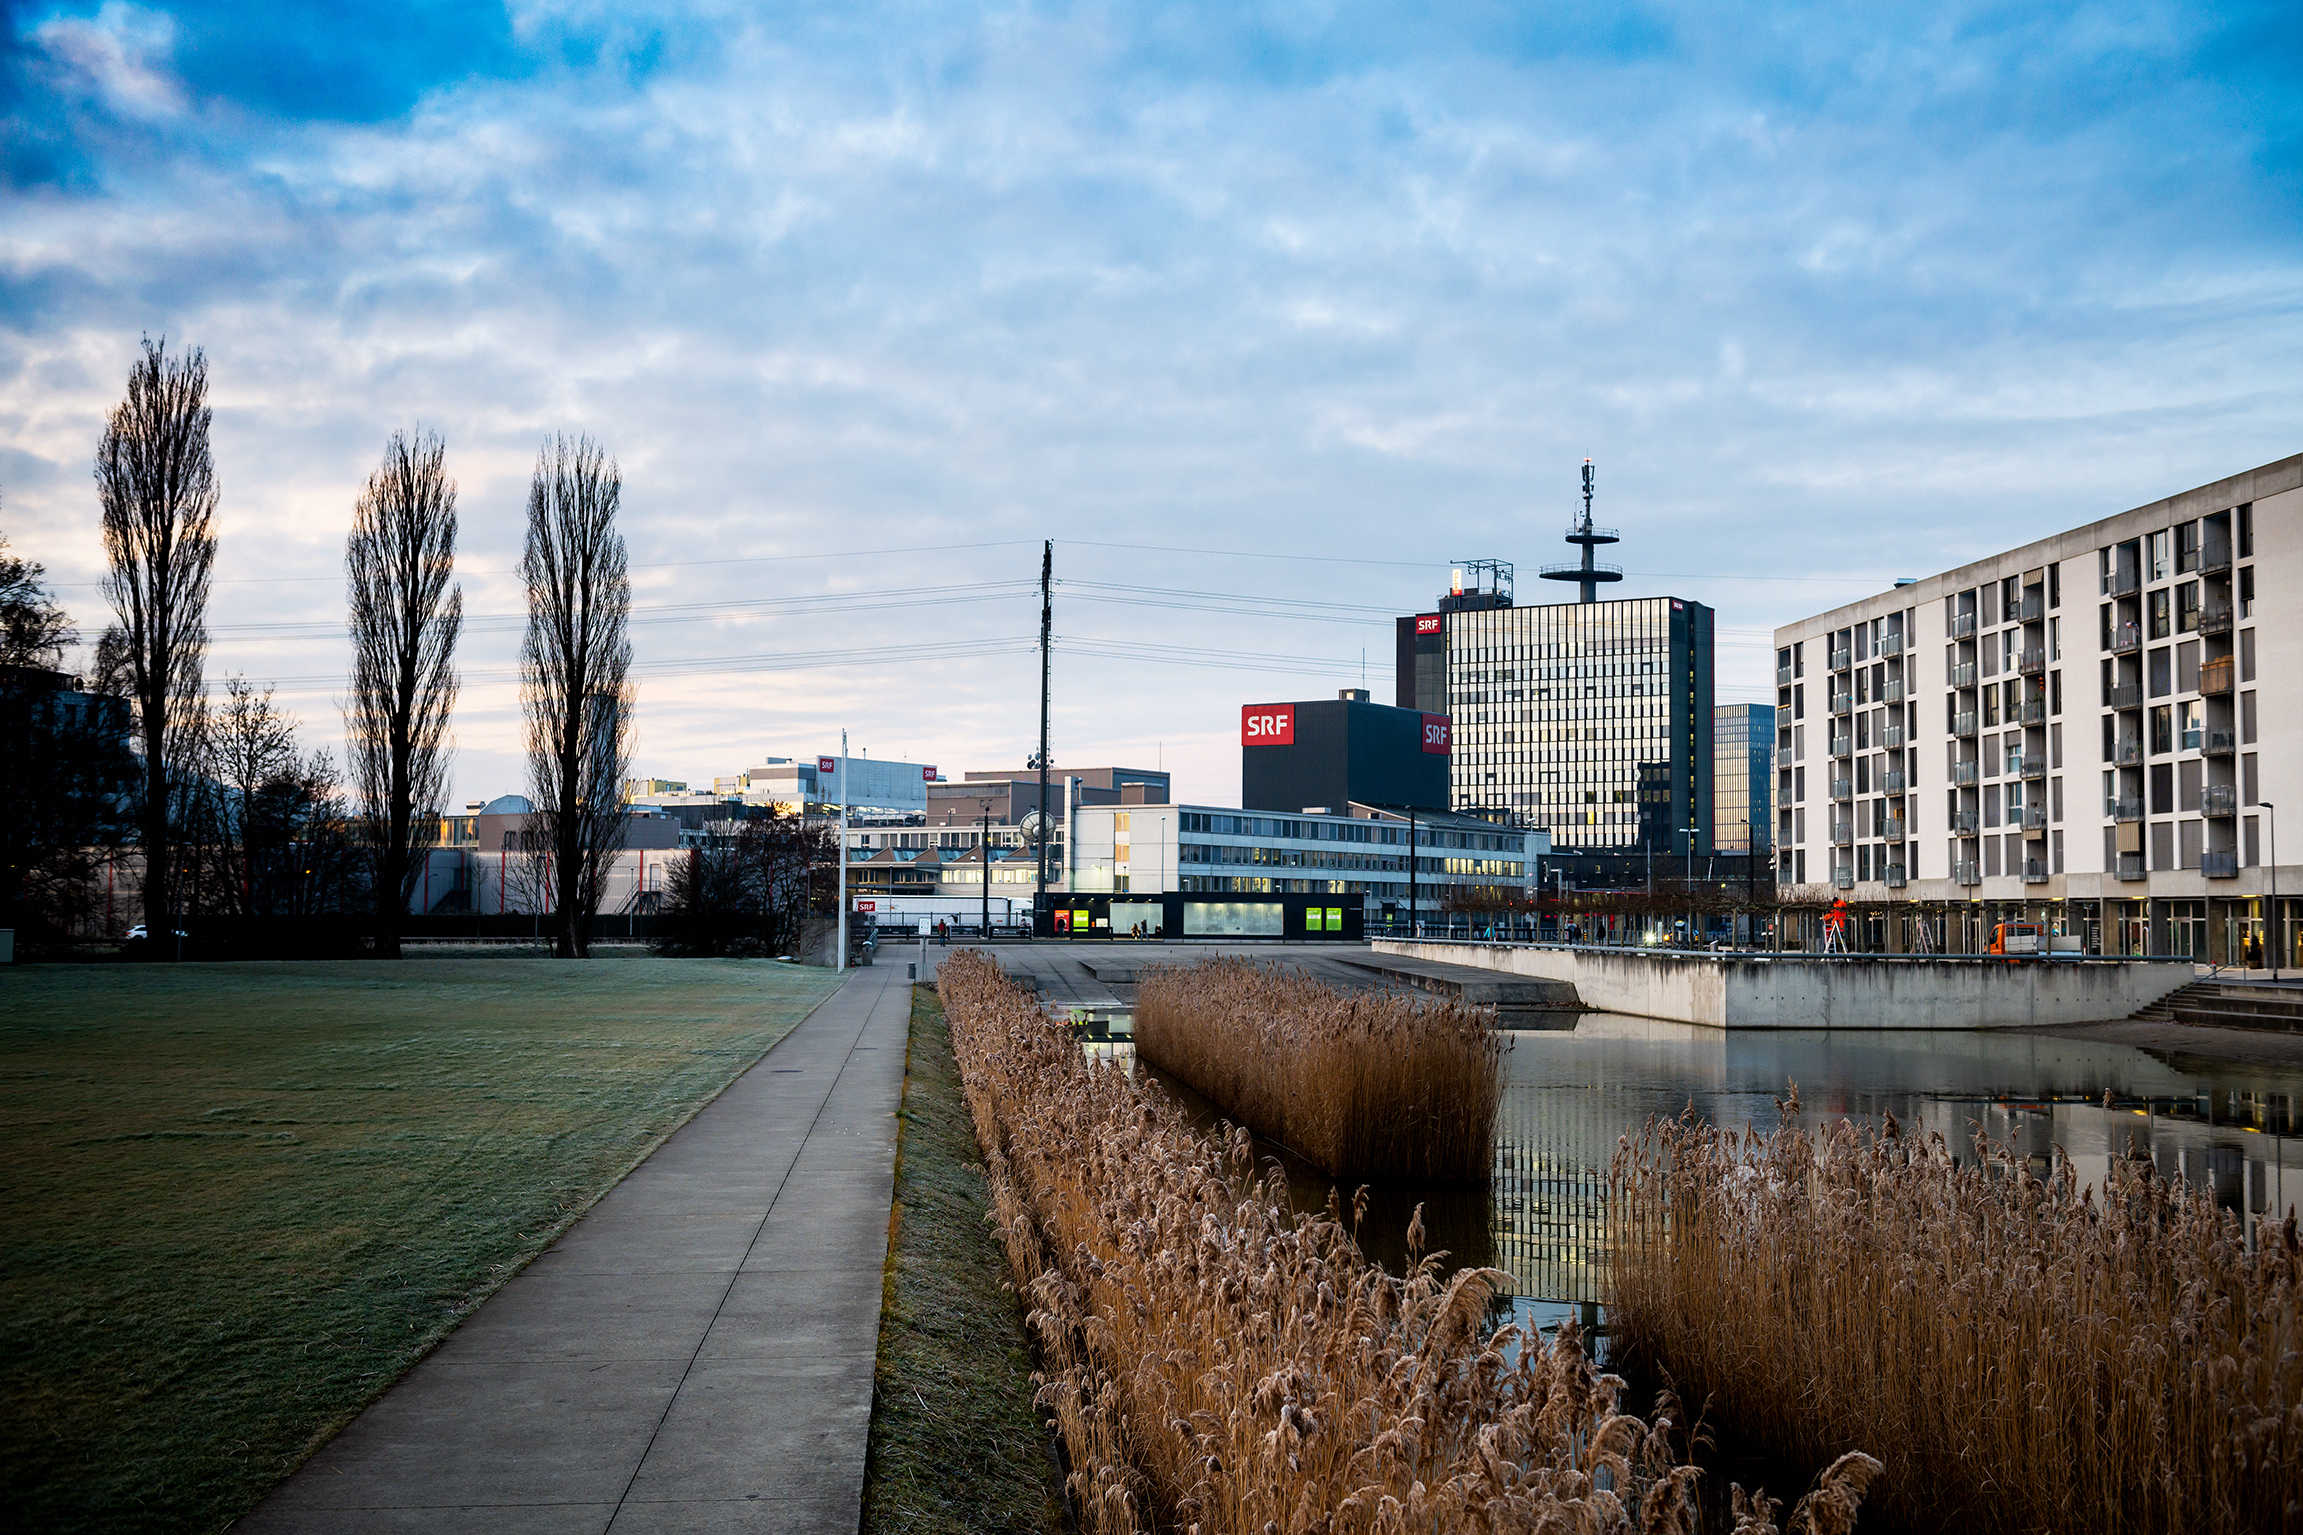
x=1030, y=824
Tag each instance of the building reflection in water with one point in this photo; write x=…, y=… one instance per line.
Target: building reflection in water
x=1570, y=1097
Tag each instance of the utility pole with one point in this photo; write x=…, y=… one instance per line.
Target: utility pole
x=2278, y=928
x=842, y=962
x=1411, y=876
x=985, y=848
x=1047, y=619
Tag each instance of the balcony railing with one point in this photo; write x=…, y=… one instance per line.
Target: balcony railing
x=2032, y=610
x=2219, y=865
x=1963, y=675
x=1963, y=723
x=1891, y=737
x=1895, y=879
x=2129, y=866
x=2215, y=619
x=1783, y=676
x=2128, y=695
x=2034, y=766
x=2213, y=562
x=1843, y=788
x=1963, y=626
x=1842, y=658
x=1843, y=879
x=2033, y=712
x=2035, y=871
x=2126, y=583
x=1843, y=703
x=1891, y=830
x=2126, y=638
x=2220, y=799
x=2219, y=743
x=2215, y=676
x=2033, y=661
x=1842, y=834
x=1891, y=782
x=1843, y=746
x=1963, y=774
x=1966, y=874
x=2035, y=818
x=1963, y=823
x=2128, y=754
x=1894, y=693
x=2123, y=807
x=2015, y=764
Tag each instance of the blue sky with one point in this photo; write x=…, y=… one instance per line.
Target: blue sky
x=1286, y=305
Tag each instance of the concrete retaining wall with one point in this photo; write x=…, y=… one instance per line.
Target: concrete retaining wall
x=1743, y=991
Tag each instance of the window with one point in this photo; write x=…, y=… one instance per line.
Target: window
x=2162, y=730
x=2159, y=623
x=2188, y=724
x=2187, y=607
x=2186, y=548
x=2158, y=555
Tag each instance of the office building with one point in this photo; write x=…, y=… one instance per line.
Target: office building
x=1330, y=752
x=1556, y=708
x=1742, y=776
x=2086, y=730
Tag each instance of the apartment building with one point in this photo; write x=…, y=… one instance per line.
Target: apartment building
x=2087, y=731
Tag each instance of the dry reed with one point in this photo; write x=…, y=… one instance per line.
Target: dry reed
x=1216, y=1365
x=1362, y=1085
x=2041, y=1356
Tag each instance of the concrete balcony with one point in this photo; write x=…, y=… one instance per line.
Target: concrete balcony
x=2126, y=583
x=1891, y=830
x=1843, y=878
x=2034, y=766
x=2031, y=611
x=1966, y=874
x=1963, y=626
x=2032, y=662
x=2128, y=753
x=1894, y=692
x=1963, y=724
x=1895, y=879
x=2130, y=867
x=2215, y=619
x=1891, y=782
x=2219, y=865
x=2214, y=562
x=1843, y=788
x=1963, y=773
x=2220, y=799
x=2219, y=743
x=2033, y=712
x=2215, y=676
x=2126, y=639
x=1963, y=823
x=2035, y=818
x=1842, y=659
x=1963, y=674
x=1843, y=746
x=2128, y=695
x=1842, y=834
x=2124, y=807
x=1783, y=676
x=1843, y=703
x=2034, y=871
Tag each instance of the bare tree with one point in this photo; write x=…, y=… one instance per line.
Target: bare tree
x=405, y=619
x=250, y=751
x=156, y=483
x=575, y=682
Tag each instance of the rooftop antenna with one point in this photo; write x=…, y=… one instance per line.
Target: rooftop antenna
x=1587, y=575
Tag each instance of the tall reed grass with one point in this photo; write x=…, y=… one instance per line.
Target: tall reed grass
x=1216, y=1365
x=1362, y=1085
x=2040, y=1355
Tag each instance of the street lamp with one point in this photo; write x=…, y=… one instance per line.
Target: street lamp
x=986, y=851
x=2277, y=935
x=1687, y=883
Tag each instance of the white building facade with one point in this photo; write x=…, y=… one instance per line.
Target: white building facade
x=2088, y=730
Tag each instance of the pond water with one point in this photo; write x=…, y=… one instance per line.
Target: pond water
x=1570, y=1095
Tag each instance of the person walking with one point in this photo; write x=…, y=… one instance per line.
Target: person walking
x=943, y=934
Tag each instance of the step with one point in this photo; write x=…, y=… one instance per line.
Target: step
x=1509, y=993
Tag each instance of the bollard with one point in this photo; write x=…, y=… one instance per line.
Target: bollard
x=912, y=972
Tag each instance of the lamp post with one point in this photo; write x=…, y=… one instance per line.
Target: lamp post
x=1687, y=883
x=2278, y=935
x=985, y=849
x=1412, y=931
x=842, y=962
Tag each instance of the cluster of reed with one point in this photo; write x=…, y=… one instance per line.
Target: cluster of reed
x=2041, y=1355
x=1362, y=1085
x=1216, y=1365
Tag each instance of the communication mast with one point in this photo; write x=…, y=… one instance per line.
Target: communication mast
x=1588, y=574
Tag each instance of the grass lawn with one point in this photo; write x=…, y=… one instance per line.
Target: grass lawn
x=240, y=1200
x=955, y=1446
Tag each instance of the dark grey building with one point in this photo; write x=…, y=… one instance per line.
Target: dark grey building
x=1333, y=752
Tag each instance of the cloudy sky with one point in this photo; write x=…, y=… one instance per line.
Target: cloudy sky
x=1264, y=313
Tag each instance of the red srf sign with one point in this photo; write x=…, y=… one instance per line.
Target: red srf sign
x=1436, y=731
x=1267, y=725
x=1429, y=623
x=866, y=905
x=826, y=765
x=927, y=775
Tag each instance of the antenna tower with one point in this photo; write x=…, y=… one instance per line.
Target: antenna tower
x=1588, y=574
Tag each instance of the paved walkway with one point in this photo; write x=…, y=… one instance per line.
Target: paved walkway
x=695, y=1354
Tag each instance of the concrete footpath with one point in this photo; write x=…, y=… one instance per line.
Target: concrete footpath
x=695, y=1354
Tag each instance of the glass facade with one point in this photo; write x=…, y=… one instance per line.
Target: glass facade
x=1742, y=773
x=1557, y=708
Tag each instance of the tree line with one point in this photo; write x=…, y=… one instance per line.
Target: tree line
x=210, y=794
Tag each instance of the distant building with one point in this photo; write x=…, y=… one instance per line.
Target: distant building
x=1742, y=776
x=1331, y=752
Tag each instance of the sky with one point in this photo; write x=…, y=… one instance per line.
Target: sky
x=1265, y=314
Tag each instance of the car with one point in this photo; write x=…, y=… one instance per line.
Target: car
x=138, y=934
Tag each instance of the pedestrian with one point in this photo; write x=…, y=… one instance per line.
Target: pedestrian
x=943, y=934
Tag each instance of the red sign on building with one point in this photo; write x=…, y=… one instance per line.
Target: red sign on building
x=1437, y=729
x=1429, y=623
x=927, y=775
x=1267, y=725
x=826, y=765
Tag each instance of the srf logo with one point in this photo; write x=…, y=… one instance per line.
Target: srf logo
x=1267, y=725
x=927, y=775
x=1429, y=623
x=826, y=765
x=1436, y=730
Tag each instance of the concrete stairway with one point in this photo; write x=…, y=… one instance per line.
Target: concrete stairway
x=1519, y=1001
x=2230, y=1005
